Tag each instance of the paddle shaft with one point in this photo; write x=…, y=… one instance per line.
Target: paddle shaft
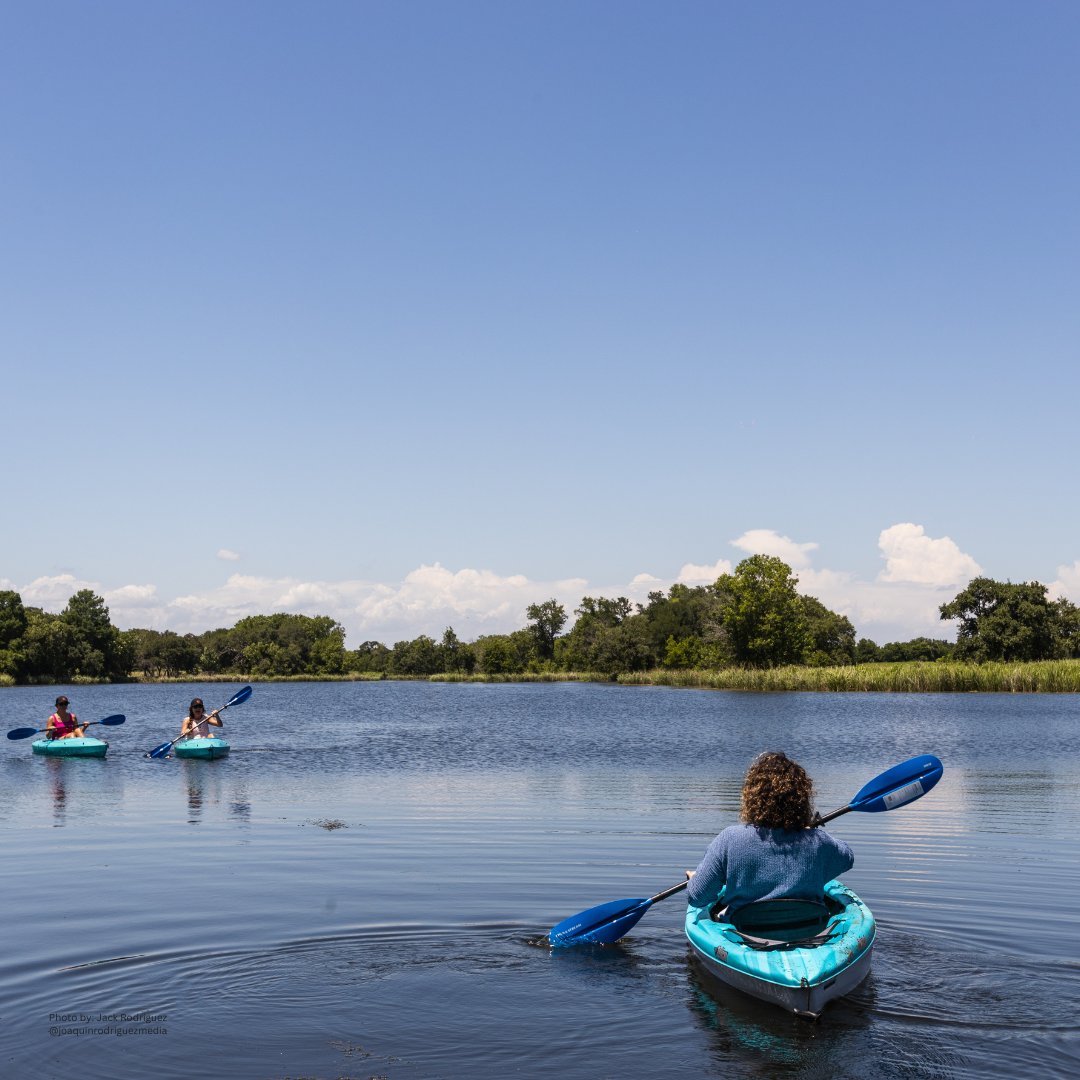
x=25, y=733
x=669, y=892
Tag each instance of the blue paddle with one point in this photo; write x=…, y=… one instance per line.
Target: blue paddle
x=26, y=732
x=238, y=698
x=606, y=923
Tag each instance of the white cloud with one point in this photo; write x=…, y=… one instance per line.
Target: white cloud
x=692, y=574
x=228, y=556
x=1067, y=585
x=913, y=557
x=131, y=596
x=921, y=574
x=770, y=542
x=53, y=593
x=427, y=600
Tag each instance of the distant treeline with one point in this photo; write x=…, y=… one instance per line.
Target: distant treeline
x=753, y=619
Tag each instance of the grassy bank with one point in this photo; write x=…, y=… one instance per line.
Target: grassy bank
x=354, y=676
x=529, y=677
x=1042, y=676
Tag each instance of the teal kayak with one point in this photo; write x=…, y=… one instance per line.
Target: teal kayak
x=796, y=954
x=201, y=748
x=87, y=746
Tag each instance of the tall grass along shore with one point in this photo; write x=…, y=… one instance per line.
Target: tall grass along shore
x=913, y=676
x=1038, y=676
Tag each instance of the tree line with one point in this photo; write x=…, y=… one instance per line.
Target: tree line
x=753, y=617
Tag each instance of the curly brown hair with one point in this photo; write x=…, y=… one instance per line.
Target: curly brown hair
x=777, y=793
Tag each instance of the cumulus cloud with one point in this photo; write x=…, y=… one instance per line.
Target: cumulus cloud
x=425, y=601
x=693, y=574
x=52, y=593
x=228, y=556
x=1067, y=585
x=921, y=573
x=770, y=542
x=137, y=596
x=913, y=557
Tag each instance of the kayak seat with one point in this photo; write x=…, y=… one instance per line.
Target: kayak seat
x=782, y=923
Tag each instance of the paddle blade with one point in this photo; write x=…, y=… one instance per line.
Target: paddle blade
x=238, y=698
x=602, y=925
x=901, y=784
x=112, y=721
x=23, y=732
x=160, y=751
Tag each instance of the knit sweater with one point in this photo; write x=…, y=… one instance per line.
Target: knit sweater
x=749, y=863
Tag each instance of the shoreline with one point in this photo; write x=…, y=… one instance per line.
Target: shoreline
x=914, y=676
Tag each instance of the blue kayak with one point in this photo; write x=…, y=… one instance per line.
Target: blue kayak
x=796, y=954
x=201, y=748
x=86, y=746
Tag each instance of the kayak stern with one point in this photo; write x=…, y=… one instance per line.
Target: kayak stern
x=800, y=979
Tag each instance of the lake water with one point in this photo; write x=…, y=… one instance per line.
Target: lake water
x=362, y=888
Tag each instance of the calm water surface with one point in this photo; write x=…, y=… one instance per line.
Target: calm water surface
x=362, y=888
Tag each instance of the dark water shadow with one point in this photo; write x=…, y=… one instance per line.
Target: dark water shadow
x=760, y=1039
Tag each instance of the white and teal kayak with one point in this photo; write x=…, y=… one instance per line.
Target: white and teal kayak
x=794, y=953
x=207, y=747
x=86, y=746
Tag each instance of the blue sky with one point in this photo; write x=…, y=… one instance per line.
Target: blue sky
x=415, y=313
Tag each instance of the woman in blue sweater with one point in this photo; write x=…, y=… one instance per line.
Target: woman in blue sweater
x=775, y=851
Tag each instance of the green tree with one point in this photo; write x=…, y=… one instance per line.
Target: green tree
x=99, y=651
x=222, y=652
x=12, y=618
x=283, y=644
x=164, y=652
x=1002, y=621
x=690, y=614
x=579, y=650
x=455, y=655
x=832, y=637
x=49, y=648
x=504, y=654
x=1067, y=628
x=867, y=651
x=371, y=656
x=691, y=652
x=607, y=637
x=13, y=623
x=417, y=657
x=546, y=620
x=764, y=616
x=920, y=648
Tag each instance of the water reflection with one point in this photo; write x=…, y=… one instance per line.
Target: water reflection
x=57, y=790
x=194, y=793
x=206, y=786
x=80, y=788
x=764, y=1039
x=240, y=805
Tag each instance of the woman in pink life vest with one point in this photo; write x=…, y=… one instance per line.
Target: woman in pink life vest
x=63, y=724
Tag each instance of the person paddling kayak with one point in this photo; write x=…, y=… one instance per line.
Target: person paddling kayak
x=63, y=724
x=774, y=852
x=196, y=722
